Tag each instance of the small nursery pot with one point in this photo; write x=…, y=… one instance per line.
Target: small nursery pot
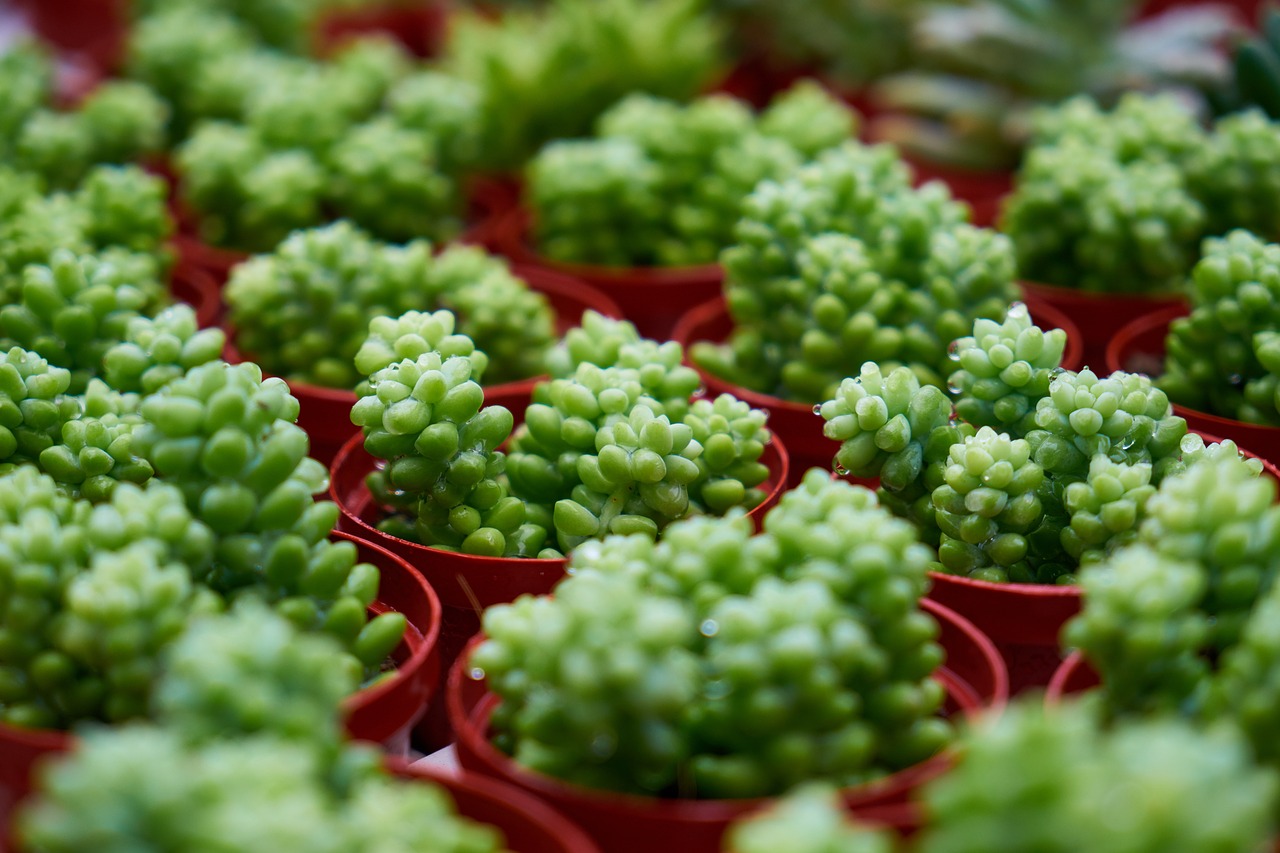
x=1073, y=676
x=197, y=288
x=420, y=27
x=797, y=423
x=527, y=824
x=625, y=823
x=383, y=713
x=1025, y=620
x=1098, y=316
x=325, y=413
x=653, y=298
x=1140, y=346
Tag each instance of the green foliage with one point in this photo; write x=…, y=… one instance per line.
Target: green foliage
x=1050, y=780
x=548, y=74
x=811, y=820
x=1219, y=359
x=667, y=181
x=715, y=663
x=304, y=311
x=900, y=278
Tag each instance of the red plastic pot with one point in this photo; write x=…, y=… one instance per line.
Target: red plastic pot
x=527, y=825
x=984, y=192
x=796, y=423
x=420, y=27
x=1025, y=620
x=654, y=298
x=93, y=29
x=1073, y=676
x=325, y=413
x=1140, y=346
x=1098, y=316
x=624, y=823
x=198, y=289
x=382, y=714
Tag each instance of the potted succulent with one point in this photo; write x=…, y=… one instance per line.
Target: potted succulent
x=1110, y=209
x=642, y=209
x=843, y=263
x=1199, y=640
x=1216, y=360
x=77, y=266
x=613, y=444
x=247, y=750
x=1031, y=473
x=303, y=312
x=189, y=491
x=715, y=672
x=1032, y=781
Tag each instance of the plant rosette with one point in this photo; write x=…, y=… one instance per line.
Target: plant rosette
x=1101, y=316
x=798, y=424
x=1025, y=620
x=654, y=298
x=325, y=413
x=973, y=676
x=528, y=825
x=1139, y=346
x=382, y=713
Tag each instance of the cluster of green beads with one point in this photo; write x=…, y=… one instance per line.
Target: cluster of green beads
x=718, y=663
x=845, y=263
x=1222, y=358
x=1054, y=780
x=662, y=184
x=246, y=749
x=227, y=439
x=1119, y=201
x=288, y=143
x=95, y=594
x=303, y=312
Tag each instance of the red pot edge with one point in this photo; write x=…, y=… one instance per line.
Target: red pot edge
x=508, y=797
x=1059, y=294
x=1059, y=684
x=873, y=794
x=418, y=667
x=202, y=287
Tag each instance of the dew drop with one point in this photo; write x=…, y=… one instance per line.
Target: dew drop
x=571, y=570
x=1057, y=371
x=1236, y=379
x=953, y=350
x=477, y=674
x=602, y=746
x=1018, y=310
x=709, y=628
x=817, y=410
x=1126, y=442
x=954, y=386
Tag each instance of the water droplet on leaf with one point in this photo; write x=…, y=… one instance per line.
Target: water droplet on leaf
x=709, y=628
